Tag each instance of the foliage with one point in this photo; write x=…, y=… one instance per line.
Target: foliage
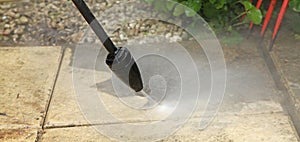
x=295, y=5
x=220, y=14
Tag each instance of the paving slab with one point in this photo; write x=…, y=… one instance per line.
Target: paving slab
x=64, y=109
x=285, y=64
x=80, y=134
x=250, y=106
x=18, y=135
x=26, y=79
x=238, y=128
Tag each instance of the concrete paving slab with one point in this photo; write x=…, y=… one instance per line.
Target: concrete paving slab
x=18, y=135
x=64, y=109
x=240, y=128
x=248, y=82
x=237, y=128
x=250, y=94
x=79, y=134
x=26, y=79
x=283, y=63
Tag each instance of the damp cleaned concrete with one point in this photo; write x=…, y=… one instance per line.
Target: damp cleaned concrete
x=250, y=110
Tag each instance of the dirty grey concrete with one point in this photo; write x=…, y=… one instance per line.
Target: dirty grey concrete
x=250, y=110
x=26, y=79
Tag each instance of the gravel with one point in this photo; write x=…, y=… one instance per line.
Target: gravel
x=59, y=23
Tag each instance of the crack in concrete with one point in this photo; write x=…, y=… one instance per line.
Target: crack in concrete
x=41, y=131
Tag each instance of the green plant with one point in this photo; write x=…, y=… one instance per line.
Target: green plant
x=220, y=14
x=295, y=5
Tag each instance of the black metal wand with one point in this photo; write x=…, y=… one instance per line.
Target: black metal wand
x=119, y=60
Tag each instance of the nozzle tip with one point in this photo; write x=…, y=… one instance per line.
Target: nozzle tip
x=142, y=93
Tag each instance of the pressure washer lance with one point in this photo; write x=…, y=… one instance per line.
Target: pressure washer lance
x=119, y=60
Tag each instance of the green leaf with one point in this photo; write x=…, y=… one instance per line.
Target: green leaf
x=226, y=8
x=194, y=7
x=255, y=15
x=248, y=5
x=210, y=11
x=220, y=4
x=179, y=9
x=295, y=4
x=212, y=1
x=297, y=36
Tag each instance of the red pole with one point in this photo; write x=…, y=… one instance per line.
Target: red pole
x=268, y=17
x=278, y=22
